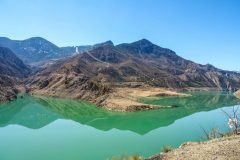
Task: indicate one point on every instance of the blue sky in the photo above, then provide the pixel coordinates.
(205, 31)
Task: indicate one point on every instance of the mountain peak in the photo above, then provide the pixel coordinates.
(107, 43)
(4, 38)
(143, 42)
(36, 39)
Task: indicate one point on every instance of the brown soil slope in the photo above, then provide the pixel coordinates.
(226, 148)
(237, 94)
(12, 70)
(96, 75)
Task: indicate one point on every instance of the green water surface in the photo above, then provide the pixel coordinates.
(58, 129)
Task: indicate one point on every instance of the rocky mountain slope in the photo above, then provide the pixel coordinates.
(38, 49)
(103, 71)
(11, 65)
(12, 70)
(98, 74)
(144, 63)
(8, 90)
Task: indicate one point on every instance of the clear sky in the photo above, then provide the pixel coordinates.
(205, 31)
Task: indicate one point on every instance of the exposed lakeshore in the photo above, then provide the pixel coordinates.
(121, 99)
(237, 94)
(225, 148)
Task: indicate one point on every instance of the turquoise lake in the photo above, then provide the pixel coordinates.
(44, 128)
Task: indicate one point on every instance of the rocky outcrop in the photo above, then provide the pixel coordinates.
(8, 90)
(68, 86)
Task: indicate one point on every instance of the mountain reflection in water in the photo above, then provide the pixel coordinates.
(37, 112)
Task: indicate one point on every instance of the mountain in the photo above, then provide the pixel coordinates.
(107, 43)
(11, 65)
(12, 69)
(170, 70)
(32, 49)
(94, 75)
(147, 63)
(38, 49)
(71, 49)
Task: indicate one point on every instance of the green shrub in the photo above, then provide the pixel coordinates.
(134, 157)
(166, 149)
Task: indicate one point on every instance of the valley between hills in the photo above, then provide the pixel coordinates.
(111, 76)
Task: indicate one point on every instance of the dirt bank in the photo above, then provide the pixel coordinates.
(237, 94)
(126, 99)
(226, 148)
(122, 99)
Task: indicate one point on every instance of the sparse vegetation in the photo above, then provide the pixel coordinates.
(134, 157)
(98, 86)
(233, 119)
(233, 124)
(166, 149)
(216, 141)
(212, 134)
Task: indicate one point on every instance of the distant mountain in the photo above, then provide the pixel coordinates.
(93, 74)
(38, 49)
(71, 50)
(167, 69)
(107, 43)
(144, 48)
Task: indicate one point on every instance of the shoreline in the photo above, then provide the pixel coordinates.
(121, 99)
(219, 148)
(127, 99)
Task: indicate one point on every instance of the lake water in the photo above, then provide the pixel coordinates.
(58, 129)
